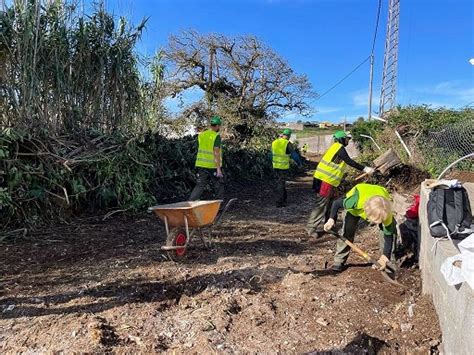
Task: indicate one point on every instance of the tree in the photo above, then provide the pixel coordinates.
(244, 80)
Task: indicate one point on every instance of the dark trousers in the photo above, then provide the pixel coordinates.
(280, 186)
(320, 214)
(409, 236)
(204, 175)
(350, 227)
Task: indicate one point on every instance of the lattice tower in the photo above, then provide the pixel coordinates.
(390, 63)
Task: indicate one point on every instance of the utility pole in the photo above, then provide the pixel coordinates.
(390, 63)
(371, 83)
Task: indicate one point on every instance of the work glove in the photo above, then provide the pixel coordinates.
(368, 170)
(328, 225)
(381, 263)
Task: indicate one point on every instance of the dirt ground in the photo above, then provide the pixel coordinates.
(105, 286)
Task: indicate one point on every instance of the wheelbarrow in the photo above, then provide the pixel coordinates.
(185, 219)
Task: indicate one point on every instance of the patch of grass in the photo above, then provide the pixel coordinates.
(312, 132)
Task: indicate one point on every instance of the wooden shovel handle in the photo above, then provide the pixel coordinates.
(365, 174)
(361, 176)
(359, 251)
(354, 247)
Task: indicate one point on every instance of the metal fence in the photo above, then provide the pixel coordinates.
(441, 147)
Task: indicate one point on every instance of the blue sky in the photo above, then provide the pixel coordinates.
(326, 39)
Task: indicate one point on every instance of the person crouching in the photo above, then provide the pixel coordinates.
(373, 204)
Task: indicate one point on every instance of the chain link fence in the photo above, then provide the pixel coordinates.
(441, 147)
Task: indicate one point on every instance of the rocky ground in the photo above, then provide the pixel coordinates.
(264, 286)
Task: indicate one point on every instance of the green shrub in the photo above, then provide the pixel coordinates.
(436, 137)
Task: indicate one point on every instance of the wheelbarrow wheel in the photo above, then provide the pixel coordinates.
(177, 237)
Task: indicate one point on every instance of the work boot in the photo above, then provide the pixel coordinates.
(316, 235)
(337, 267)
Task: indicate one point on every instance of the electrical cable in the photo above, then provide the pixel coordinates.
(363, 62)
(340, 81)
(376, 27)
(359, 65)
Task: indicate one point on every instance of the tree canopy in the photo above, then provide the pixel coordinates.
(243, 79)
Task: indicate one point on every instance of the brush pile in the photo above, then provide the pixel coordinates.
(55, 177)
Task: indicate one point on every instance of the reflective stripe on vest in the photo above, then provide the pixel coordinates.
(205, 155)
(280, 159)
(367, 191)
(328, 171)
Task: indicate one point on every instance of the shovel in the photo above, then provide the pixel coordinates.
(384, 163)
(389, 272)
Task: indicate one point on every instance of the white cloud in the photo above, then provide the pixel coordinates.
(325, 109)
(360, 99)
(453, 94)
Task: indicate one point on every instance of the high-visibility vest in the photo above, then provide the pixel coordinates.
(367, 191)
(205, 155)
(328, 171)
(280, 159)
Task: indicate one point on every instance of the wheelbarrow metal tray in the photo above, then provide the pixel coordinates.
(198, 213)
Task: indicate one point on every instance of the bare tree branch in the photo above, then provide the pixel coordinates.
(249, 80)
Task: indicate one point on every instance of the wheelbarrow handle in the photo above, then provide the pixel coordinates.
(226, 207)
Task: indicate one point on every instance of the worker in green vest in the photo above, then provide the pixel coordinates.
(328, 175)
(282, 152)
(305, 148)
(209, 160)
(373, 204)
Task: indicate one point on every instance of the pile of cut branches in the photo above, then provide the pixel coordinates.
(49, 179)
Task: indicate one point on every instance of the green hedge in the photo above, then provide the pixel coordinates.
(436, 137)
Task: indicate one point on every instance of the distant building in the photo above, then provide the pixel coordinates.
(345, 124)
(291, 125)
(311, 124)
(325, 124)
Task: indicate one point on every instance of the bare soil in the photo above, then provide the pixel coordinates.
(105, 286)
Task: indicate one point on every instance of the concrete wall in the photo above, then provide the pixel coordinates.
(319, 144)
(454, 304)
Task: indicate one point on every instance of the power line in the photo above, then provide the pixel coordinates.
(342, 80)
(359, 65)
(371, 72)
(376, 26)
(362, 63)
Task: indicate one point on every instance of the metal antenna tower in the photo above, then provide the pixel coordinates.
(390, 62)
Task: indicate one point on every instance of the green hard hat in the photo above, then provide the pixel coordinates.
(340, 135)
(216, 121)
(286, 132)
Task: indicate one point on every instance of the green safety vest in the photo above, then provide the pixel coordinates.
(367, 191)
(280, 159)
(328, 171)
(205, 155)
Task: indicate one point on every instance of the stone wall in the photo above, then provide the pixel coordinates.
(454, 304)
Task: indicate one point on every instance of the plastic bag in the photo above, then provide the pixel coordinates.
(467, 251)
(465, 273)
(452, 274)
